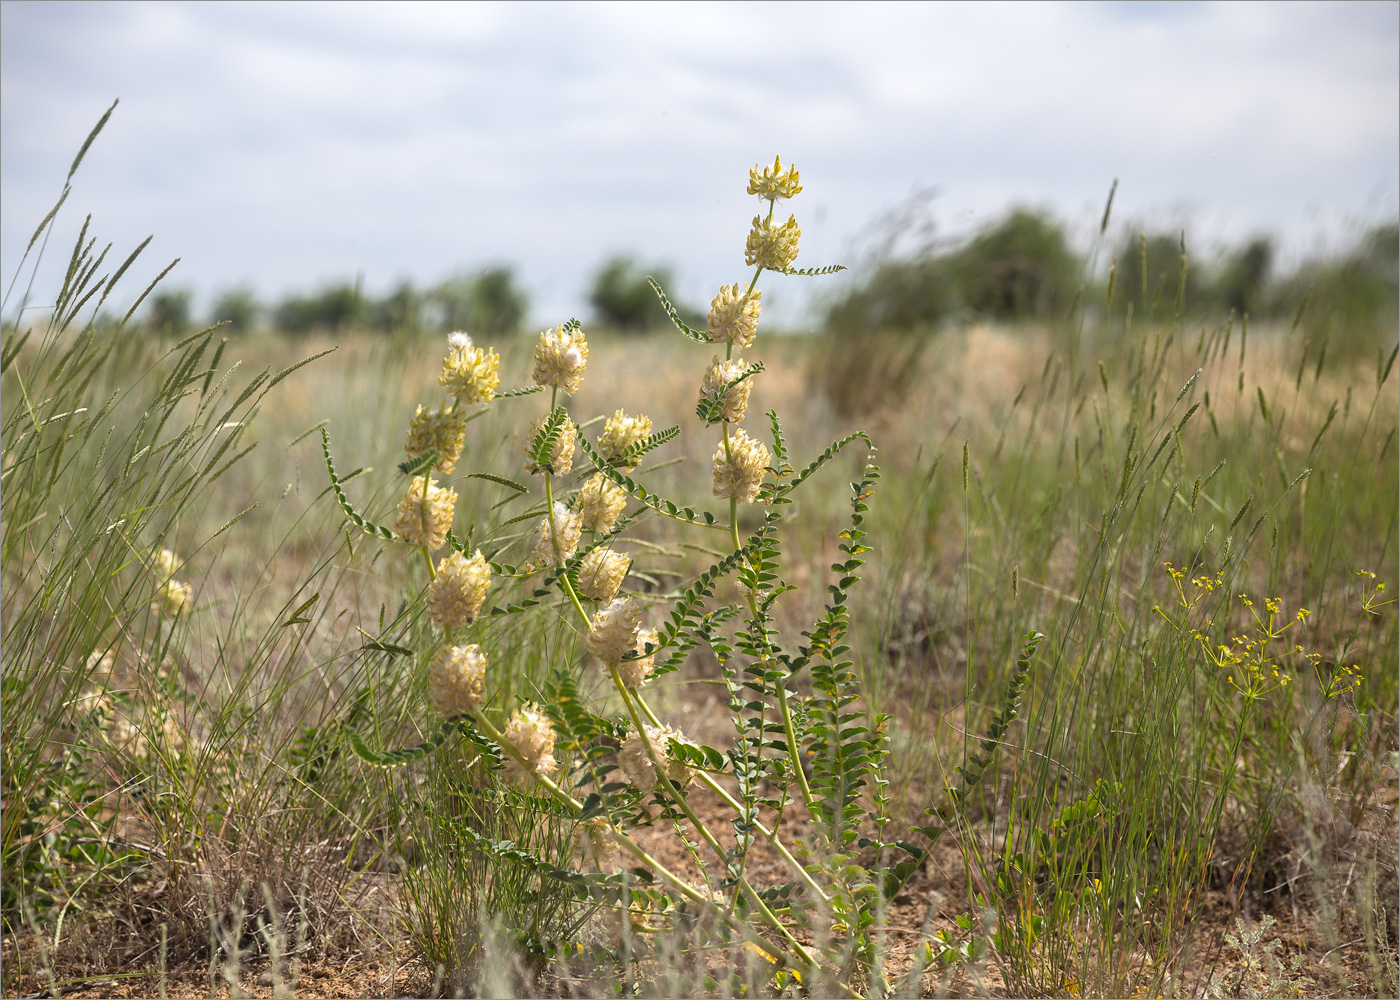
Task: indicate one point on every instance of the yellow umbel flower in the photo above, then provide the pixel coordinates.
(173, 599)
(442, 427)
(530, 733)
(561, 456)
(600, 503)
(568, 526)
(637, 765)
(601, 573)
(774, 182)
(634, 673)
(560, 357)
(470, 374)
(733, 316)
(612, 632)
(739, 472)
(736, 400)
(425, 520)
(459, 589)
(772, 246)
(620, 433)
(457, 680)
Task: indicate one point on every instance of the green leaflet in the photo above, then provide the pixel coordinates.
(711, 404)
(694, 335)
(639, 492)
(369, 527)
(809, 272)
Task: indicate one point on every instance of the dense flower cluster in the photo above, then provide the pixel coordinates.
(601, 573)
(634, 673)
(469, 373)
(560, 358)
(459, 589)
(442, 427)
(620, 433)
(600, 503)
(738, 469)
(636, 762)
(564, 536)
(612, 633)
(770, 245)
(774, 182)
(172, 598)
(561, 456)
(734, 315)
(736, 399)
(425, 513)
(530, 733)
(457, 680)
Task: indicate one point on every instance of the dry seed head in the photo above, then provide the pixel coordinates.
(600, 503)
(442, 427)
(560, 358)
(530, 733)
(736, 400)
(612, 633)
(636, 762)
(459, 589)
(561, 456)
(770, 245)
(622, 432)
(457, 680)
(569, 526)
(634, 673)
(425, 523)
(173, 598)
(601, 573)
(734, 316)
(739, 473)
(774, 182)
(469, 373)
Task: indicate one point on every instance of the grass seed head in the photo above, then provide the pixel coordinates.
(425, 520)
(771, 245)
(442, 427)
(560, 358)
(601, 573)
(738, 472)
(459, 589)
(736, 400)
(457, 680)
(734, 316)
(600, 503)
(470, 374)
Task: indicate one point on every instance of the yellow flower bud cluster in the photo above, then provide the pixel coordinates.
(459, 589)
(560, 358)
(563, 536)
(443, 427)
(601, 573)
(774, 182)
(736, 399)
(425, 513)
(173, 597)
(457, 680)
(772, 246)
(561, 456)
(620, 433)
(637, 765)
(733, 316)
(600, 503)
(738, 470)
(530, 733)
(469, 373)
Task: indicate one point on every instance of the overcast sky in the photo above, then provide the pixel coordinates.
(283, 146)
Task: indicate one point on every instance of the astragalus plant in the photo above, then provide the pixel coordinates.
(804, 775)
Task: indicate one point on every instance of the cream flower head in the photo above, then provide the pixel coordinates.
(569, 526)
(442, 427)
(459, 589)
(736, 400)
(739, 473)
(612, 632)
(620, 433)
(457, 680)
(772, 246)
(426, 523)
(530, 733)
(173, 599)
(733, 316)
(637, 765)
(773, 182)
(560, 358)
(600, 503)
(561, 456)
(599, 842)
(469, 373)
(601, 573)
(166, 564)
(634, 673)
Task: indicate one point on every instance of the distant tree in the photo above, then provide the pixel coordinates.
(400, 310)
(1353, 299)
(489, 303)
(1243, 278)
(899, 295)
(239, 307)
(332, 308)
(1153, 290)
(621, 297)
(169, 311)
(1019, 268)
